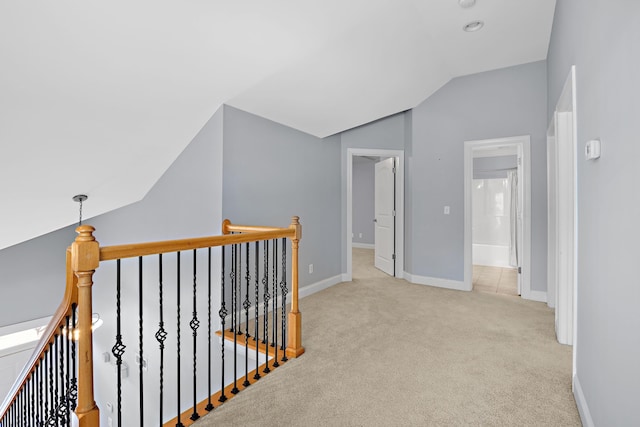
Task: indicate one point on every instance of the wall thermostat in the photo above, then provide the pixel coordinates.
(592, 149)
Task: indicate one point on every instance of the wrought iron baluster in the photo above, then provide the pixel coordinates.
(54, 359)
(223, 316)
(62, 406)
(234, 296)
(178, 423)
(256, 328)
(267, 297)
(67, 377)
(209, 406)
(74, 380)
(274, 341)
(194, 324)
(118, 347)
(52, 402)
(140, 343)
(161, 335)
(32, 419)
(283, 290)
(39, 420)
(246, 305)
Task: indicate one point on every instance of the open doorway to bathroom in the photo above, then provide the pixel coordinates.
(495, 203)
(497, 216)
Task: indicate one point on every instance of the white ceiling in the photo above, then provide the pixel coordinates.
(100, 97)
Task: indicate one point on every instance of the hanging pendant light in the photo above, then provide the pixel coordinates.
(80, 198)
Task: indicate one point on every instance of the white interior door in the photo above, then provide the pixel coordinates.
(384, 198)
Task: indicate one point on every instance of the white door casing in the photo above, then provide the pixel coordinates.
(563, 222)
(384, 216)
(523, 145)
(399, 193)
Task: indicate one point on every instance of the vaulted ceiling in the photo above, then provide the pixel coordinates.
(100, 97)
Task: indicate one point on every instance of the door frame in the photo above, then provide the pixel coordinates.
(399, 202)
(564, 158)
(523, 145)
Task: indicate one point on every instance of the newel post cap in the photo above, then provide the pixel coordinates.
(85, 250)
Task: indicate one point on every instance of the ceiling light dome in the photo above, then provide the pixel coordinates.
(466, 3)
(473, 26)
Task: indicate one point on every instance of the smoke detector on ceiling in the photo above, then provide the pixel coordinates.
(466, 3)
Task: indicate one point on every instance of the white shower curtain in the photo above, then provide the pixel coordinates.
(512, 180)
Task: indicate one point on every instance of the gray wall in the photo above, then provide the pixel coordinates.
(601, 38)
(502, 103)
(272, 172)
(37, 267)
(363, 200)
(388, 133)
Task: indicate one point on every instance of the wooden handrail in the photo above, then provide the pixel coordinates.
(83, 258)
(53, 328)
(153, 248)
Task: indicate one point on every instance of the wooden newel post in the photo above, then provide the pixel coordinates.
(294, 332)
(85, 258)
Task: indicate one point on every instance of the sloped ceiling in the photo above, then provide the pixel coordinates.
(99, 97)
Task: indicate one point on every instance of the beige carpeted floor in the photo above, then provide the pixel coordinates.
(383, 352)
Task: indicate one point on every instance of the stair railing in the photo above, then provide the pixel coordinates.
(59, 377)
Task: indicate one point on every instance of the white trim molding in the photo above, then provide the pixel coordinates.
(539, 296)
(523, 144)
(436, 282)
(581, 403)
(399, 229)
(305, 291)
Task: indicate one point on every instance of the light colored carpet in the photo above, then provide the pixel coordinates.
(383, 352)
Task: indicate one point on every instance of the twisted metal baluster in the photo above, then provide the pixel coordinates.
(140, 342)
(67, 378)
(274, 341)
(234, 314)
(62, 406)
(209, 406)
(246, 305)
(118, 347)
(256, 328)
(41, 400)
(194, 324)
(266, 296)
(223, 315)
(54, 360)
(283, 287)
(52, 377)
(74, 380)
(161, 334)
(31, 393)
(178, 423)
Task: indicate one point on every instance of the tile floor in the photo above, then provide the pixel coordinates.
(495, 280)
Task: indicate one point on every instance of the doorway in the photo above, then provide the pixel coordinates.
(391, 233)
(496, 200)
(521, 220)
(562, 220)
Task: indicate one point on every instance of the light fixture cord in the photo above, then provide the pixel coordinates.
(80, 219)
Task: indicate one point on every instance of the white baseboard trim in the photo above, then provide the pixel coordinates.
(539, 296)
(363, 245)
(434, 281)
(319, 286)
(345, 278)
(583, 408)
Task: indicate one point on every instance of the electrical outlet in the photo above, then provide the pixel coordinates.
(447, 210)
(310, 268)
(360, 235)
